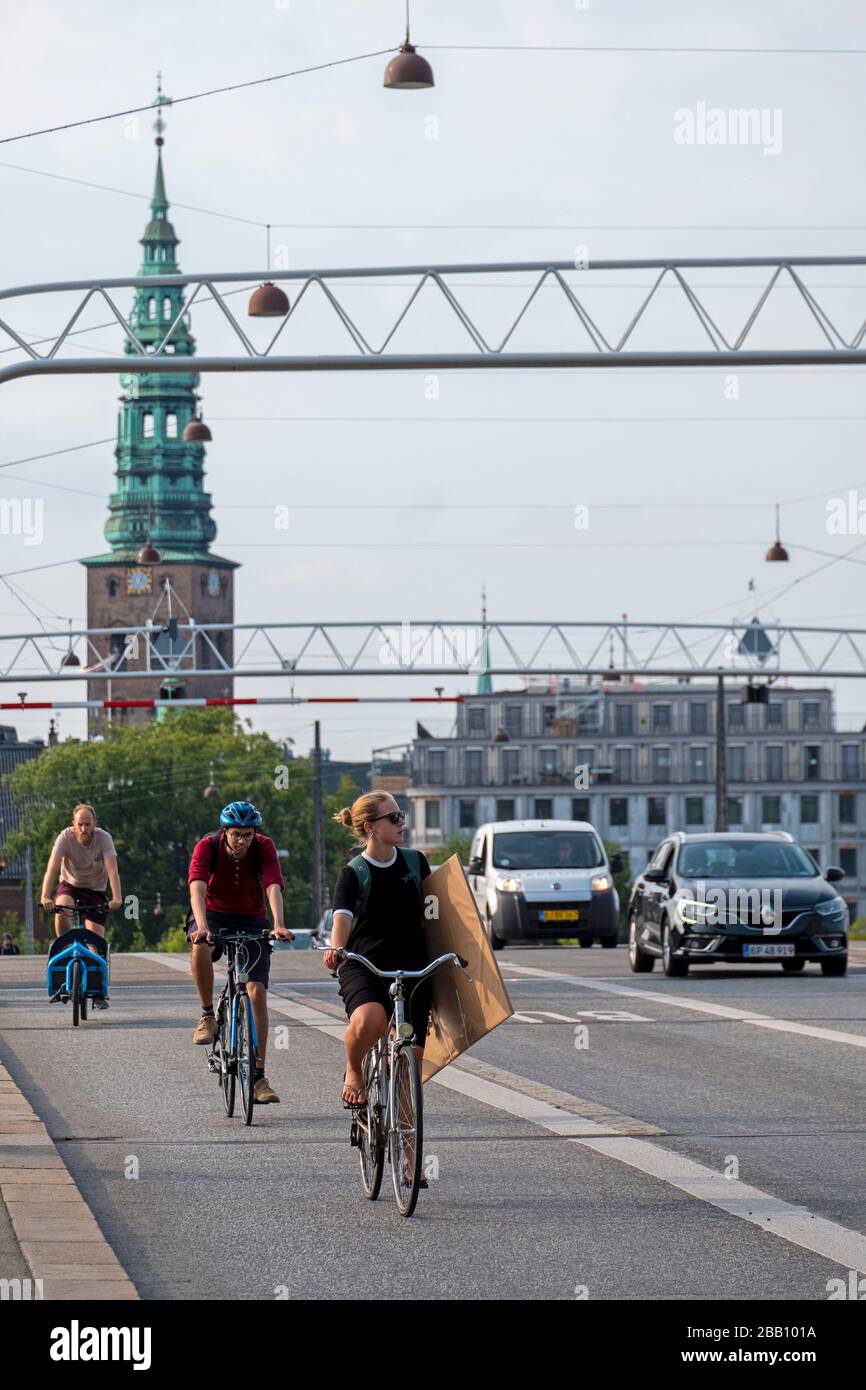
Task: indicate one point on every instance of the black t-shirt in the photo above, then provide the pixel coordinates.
(391, 932)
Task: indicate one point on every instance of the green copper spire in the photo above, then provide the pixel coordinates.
(160, 478)
(484, 684)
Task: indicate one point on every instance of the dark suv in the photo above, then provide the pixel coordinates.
(727, 897)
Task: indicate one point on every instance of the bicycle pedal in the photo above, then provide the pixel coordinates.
(353, 1135)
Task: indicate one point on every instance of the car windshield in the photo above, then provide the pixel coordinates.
(547, 849)
(745, 859)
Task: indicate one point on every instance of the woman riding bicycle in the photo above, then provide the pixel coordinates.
(389, 931)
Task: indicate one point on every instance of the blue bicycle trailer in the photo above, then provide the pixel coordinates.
(76, 972)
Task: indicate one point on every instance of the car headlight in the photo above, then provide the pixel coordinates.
(509, 885)
(697, 914)
(601, 884)
(833, 907)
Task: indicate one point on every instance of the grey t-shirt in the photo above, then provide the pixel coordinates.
(84, 865)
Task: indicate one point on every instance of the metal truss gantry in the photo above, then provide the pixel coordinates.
(657, 651)
(571, 281)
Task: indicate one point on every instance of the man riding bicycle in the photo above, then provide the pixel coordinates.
(230, 875)
(85, 860)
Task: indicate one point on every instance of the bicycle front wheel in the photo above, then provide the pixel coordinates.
(75, 992)
(406, 1137)
(246, 1056)
(371, 1140)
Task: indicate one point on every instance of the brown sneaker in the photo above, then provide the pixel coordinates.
(263, 1093)
(205, 1030)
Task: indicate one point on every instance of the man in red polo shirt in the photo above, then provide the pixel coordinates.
(231, 894)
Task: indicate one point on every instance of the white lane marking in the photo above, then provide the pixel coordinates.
(755, 1020)
(797, 1225)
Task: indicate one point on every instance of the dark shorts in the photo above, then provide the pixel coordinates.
(259, 967)
(93, 899)
(358, 986)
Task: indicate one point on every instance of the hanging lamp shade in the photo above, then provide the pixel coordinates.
(197, 432)
(70, 659)
(148, 555)
(777, 551)
(408, 71)
(268, 302)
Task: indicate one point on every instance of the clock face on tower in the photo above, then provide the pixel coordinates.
(213, 583)
(139, 581)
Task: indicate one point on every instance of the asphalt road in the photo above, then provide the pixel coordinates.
(669, 1151)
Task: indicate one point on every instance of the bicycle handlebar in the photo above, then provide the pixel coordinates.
(451, 957)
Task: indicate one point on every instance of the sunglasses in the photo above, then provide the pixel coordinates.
(395, 817)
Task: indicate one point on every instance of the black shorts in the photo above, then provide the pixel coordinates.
(92, 899)
(359, 986)
(259, 967)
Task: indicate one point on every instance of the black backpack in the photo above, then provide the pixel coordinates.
(214, 838)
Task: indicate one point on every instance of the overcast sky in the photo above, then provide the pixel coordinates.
(513, 156)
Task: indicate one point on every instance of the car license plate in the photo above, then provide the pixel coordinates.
(560, 915)
(766, 950)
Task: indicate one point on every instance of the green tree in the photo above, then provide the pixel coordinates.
(147, 786)
(621, 882)
(456, 844)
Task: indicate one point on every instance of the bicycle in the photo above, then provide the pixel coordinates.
(235, 1047)
(73, 971)
(393, 1107)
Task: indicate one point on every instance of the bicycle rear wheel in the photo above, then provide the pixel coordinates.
(406, 1137)
(371, 1140)
(245, 1055)
(75, 992)
(223, 1051)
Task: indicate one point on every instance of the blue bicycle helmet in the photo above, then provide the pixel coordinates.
(242, 814)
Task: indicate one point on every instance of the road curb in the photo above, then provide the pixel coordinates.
(56, 1232)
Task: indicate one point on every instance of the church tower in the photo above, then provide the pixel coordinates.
(159, 566)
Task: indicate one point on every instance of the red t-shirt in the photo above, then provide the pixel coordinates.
(233, 887)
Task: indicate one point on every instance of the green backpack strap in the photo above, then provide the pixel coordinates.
(362, 869)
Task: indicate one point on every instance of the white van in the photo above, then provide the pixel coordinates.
(537, 880)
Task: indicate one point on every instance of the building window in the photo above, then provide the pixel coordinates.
(505, 810)
(580, 808)
(623, 719)
(808, 810)
(699, 767)
(735, 810)
(698, 718)
(436, 766)
(474, 766)
(622, 765)
(850, 762)
(112, 584)
(848, 860)
(812, 762)
(737, 764)
(771, 810)
(514, 720)
(656, 811)
(848, 808)
(432, 815)
(466, 816)
(166, 309)
(736, 716)
(661, 764)
(811, 716)
(151, 309)
(773, 762)
(662, 722)
(477, 720)
(619, 810)
(816, 855)
(171, 426)
(694, 810)
(510, 766)
(547, 769)
(543, 808)
(147, 425)
(774, 714)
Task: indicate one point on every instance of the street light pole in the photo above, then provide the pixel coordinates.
(721, 758)
(318, 903)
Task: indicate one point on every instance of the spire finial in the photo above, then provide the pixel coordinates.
(161, 101)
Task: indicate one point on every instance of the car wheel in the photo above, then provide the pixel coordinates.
(672, 967)
(496, 942)
(609, 942)
(837, 966)
(793, 967)
(640, 961)
(585, 942)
